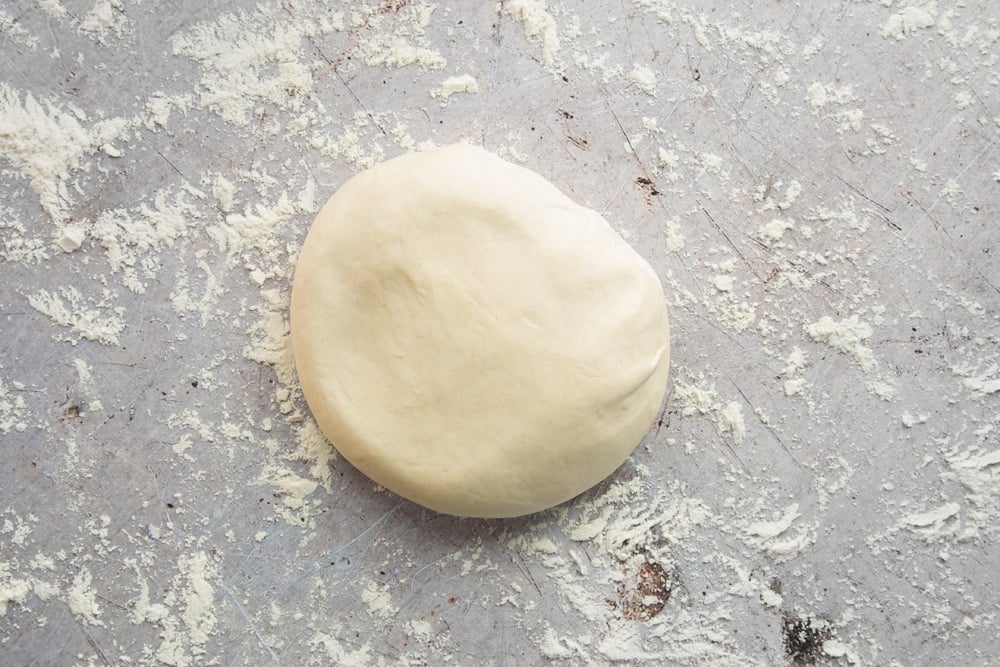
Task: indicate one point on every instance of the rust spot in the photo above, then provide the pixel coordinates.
(646, 594)
(392, 5)
(71, 414)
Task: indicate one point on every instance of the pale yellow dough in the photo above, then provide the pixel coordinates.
(473, 340)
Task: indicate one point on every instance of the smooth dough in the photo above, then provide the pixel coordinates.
(473, 340)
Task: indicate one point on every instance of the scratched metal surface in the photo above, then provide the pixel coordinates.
(889, 594)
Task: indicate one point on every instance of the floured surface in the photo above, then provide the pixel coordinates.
(823, 488)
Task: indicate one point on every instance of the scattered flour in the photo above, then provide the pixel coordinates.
(47, 141)
(67, 307)
(794, 363)
(846, 336)
(644, 78)
(698, 397)
(771, 232)
(935, 524)
(160, 106)
(731, 418)
(105, 17)
(794, 386)
(838, 649)
(12, 589)
(397, 38)
(247, 59)
(539, 25)
(884, 390)
(338, 653)
(963, 99)
(777, 538)
(187, 616)
(14, 412)
(909, 20)
(819, 95)
(977, 469)
(128, 235)
(52, 8)
(82, 598)
(88, 387)
(674, 235)
(12, 30)
(379, 600)
(986, 381)
(465, 83)
(198, 597)
(723, 283)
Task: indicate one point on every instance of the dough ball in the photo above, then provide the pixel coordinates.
(473, 340)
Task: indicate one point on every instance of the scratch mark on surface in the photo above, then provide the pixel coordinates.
(361, 104)
(628, 140)
(944, 231)
(375, 524)
(763, 423)
(93, 643)
(642, 165)
(618, 192)
(883, 210)
(334, 64)
(293, 642)
(730, 242)
(748, 93)
(172, 165)
(315, 566)
(248, 621)
(663, 418)
(525, 570)
(990, 144)
(732, 452)
(494, 64)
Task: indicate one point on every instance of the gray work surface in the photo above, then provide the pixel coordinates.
(815, 176)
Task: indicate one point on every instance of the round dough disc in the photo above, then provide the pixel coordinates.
(473, 340)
